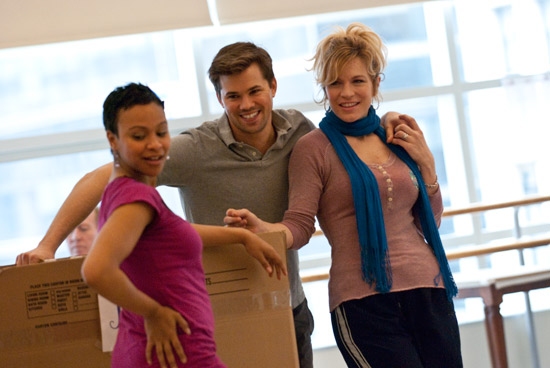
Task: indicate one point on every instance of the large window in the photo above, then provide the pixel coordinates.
(475, 75)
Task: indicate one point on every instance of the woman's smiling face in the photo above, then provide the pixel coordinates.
(351, 95)
(142, 142)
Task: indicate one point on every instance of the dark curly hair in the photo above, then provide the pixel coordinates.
(123, 98)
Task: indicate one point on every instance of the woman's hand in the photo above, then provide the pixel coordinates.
(389, 121)
(162, 337)
(265, 254)
(409, 136)
(245, 218)
(262, 251)
(248, 220)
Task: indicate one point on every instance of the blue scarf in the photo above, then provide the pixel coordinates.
(375, 263)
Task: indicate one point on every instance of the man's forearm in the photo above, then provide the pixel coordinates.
(82, 200)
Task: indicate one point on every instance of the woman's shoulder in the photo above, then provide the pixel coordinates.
(314, 141)
(312, 147)
(125, 189)
(315, 137)
(125, 182)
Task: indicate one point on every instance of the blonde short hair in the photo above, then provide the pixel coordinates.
(337, 49)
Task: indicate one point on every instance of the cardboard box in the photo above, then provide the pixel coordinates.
(50, 318)
(253, 313)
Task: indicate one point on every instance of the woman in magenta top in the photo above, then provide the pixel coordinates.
(166, 265)
(145, 258)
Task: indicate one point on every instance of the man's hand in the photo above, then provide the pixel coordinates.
(37, 255)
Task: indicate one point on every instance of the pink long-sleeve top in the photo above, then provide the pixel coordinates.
(320, 186)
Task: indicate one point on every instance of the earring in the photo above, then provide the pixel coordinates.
(167, 157)
(115, 157)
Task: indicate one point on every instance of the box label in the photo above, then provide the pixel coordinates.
(52, 299)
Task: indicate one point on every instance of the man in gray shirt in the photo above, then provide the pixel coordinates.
(241, 159)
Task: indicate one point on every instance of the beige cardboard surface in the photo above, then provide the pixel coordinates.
(253, 314)
(49, 317)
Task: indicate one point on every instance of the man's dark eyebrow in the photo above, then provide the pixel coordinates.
(257, 86)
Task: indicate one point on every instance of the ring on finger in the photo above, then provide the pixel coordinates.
(404, 137)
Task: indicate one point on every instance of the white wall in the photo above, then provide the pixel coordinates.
(31, 22)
